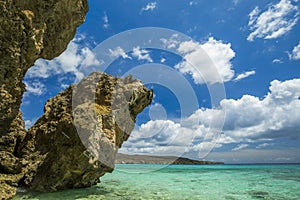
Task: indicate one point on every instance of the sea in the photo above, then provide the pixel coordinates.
(207, 182)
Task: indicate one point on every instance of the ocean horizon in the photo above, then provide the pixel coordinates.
(207, 182)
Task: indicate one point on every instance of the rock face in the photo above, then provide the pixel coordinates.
(76, 140)
(29, 30)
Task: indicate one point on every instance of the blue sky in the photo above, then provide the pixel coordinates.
(249, 48)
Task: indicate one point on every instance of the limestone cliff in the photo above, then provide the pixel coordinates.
(76, 140)
(29, 30)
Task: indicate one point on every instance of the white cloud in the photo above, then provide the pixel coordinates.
(149, 7)
(70, 59)
(244, 75)
(295, 55)
(30, 123)
(162, 60)
(264, 145)
(157, 111)
(141, 54)
(74, 57)
(248, 120)
(240, 147)
(208, 62)
(171, 42)
(36, 88)
(253, 16)
(64, 86)
(274, 116)
(105, 21)
(276, 21)
(118, 52)
(276, 60)
(41, 69)
(88, 58)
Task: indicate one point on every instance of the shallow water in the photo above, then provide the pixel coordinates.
(208, 182)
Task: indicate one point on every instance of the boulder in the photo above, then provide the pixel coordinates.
(76, 140)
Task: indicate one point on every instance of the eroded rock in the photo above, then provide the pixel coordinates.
(76, 140)
(29, 30)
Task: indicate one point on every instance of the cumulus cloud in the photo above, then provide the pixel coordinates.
(141, 54)
(118, 52)
(244, 75)
(248, 120)
(159, 136)
(295, 55)
(35, 88)
(149, 7)
(88, 58)
(171, 42)
(209, 62)
(71, 60)
(274, 116)
(276, 21)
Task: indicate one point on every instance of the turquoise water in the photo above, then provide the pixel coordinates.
(205, 182)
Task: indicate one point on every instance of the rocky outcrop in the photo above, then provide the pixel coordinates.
(76, 140)
(163, 160)
(29, 30)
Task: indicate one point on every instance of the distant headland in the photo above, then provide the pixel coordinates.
(145, 159)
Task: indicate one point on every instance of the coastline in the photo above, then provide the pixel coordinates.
(164, 160)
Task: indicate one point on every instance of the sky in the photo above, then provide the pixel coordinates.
(225, 75)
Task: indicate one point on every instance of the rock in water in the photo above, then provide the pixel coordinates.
(76, 140)
(30, 29)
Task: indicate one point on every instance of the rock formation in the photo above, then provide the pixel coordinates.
(42, 29)
(75, 141)
(30, 30)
